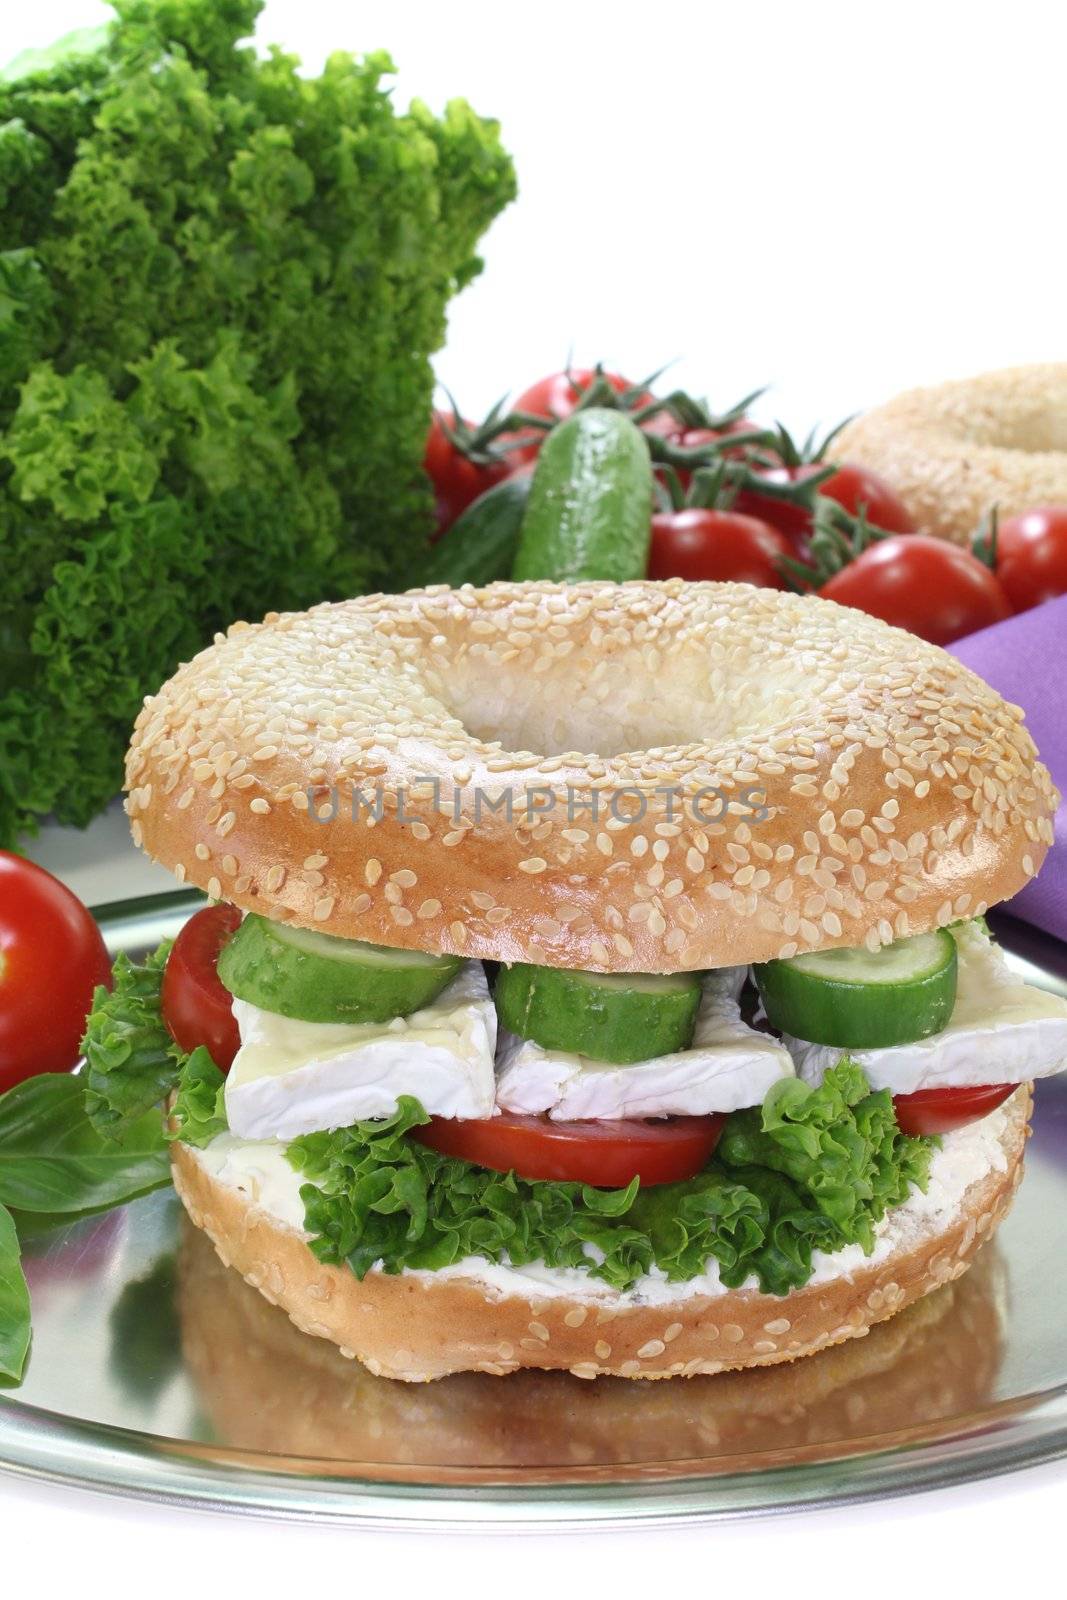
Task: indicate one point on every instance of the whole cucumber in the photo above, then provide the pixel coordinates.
(590, 510)
(480, 545)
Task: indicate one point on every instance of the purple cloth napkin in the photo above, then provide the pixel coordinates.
(1025, 660)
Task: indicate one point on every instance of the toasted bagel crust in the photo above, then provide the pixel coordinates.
(875, 787)
(954, 451)
(414, 1328)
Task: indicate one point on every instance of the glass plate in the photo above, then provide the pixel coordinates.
(156, 1372)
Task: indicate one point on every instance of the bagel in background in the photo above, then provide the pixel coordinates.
(954, 451)
(267, 1387)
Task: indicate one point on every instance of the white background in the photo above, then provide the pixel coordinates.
(841, 200)
(838, 199)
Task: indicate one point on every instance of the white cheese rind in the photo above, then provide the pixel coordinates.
(729, 1065)
(292, 1077)
(1001, 1031)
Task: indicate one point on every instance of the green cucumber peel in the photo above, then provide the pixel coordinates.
(615, 1017)
(314, 977)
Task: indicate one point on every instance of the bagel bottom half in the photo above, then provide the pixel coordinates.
(418, 1326)
(267, 1387)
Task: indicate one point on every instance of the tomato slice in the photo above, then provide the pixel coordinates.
(197, 1008)
(930, 1111)
(605, 1154)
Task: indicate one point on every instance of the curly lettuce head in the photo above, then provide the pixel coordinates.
(220, 284)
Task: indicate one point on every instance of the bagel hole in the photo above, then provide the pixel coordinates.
(1035, 429)
(626, 709)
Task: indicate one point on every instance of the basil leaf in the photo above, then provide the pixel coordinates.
(131, 1061)
(14, 1305)
(53, 1159)
(200, 1105)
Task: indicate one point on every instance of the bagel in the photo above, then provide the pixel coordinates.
(422, 1325)
(267, 1387)
(954, 451)
(771, 774)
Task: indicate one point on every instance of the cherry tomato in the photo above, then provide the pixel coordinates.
(52, 956)
(855, 487)
(557, 396)
(851, 486)
(693, 438)
(928, 586)
(931, 1111)
(697, 438)
(792, 520)
(723, 546)
(197, 1009)
(605, 1154)
(1032, 556)
(456, 479)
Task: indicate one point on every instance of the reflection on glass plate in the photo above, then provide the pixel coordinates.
(157, 1371)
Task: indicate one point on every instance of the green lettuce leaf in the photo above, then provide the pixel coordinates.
(14, 1305)
(838, 1144)
(53, 1159)
(813, 1169)
(131, 1061)
(199, 1111)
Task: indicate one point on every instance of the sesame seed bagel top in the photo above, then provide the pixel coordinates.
(955, 450)
(640, 777)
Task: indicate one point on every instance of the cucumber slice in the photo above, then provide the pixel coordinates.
(619, 1017)
(318, 978)
(863, 999)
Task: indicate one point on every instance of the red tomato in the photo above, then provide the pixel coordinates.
(693, 438)
(723, 546)
(196, 1007)
(52, 956)
(851, 486)
(790, 519)
(928, 586)
(605, 1154)
(1032, 556)
(557, 396)
(855, 488)
(456, 479)
(698, 438)
(931, 1111)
